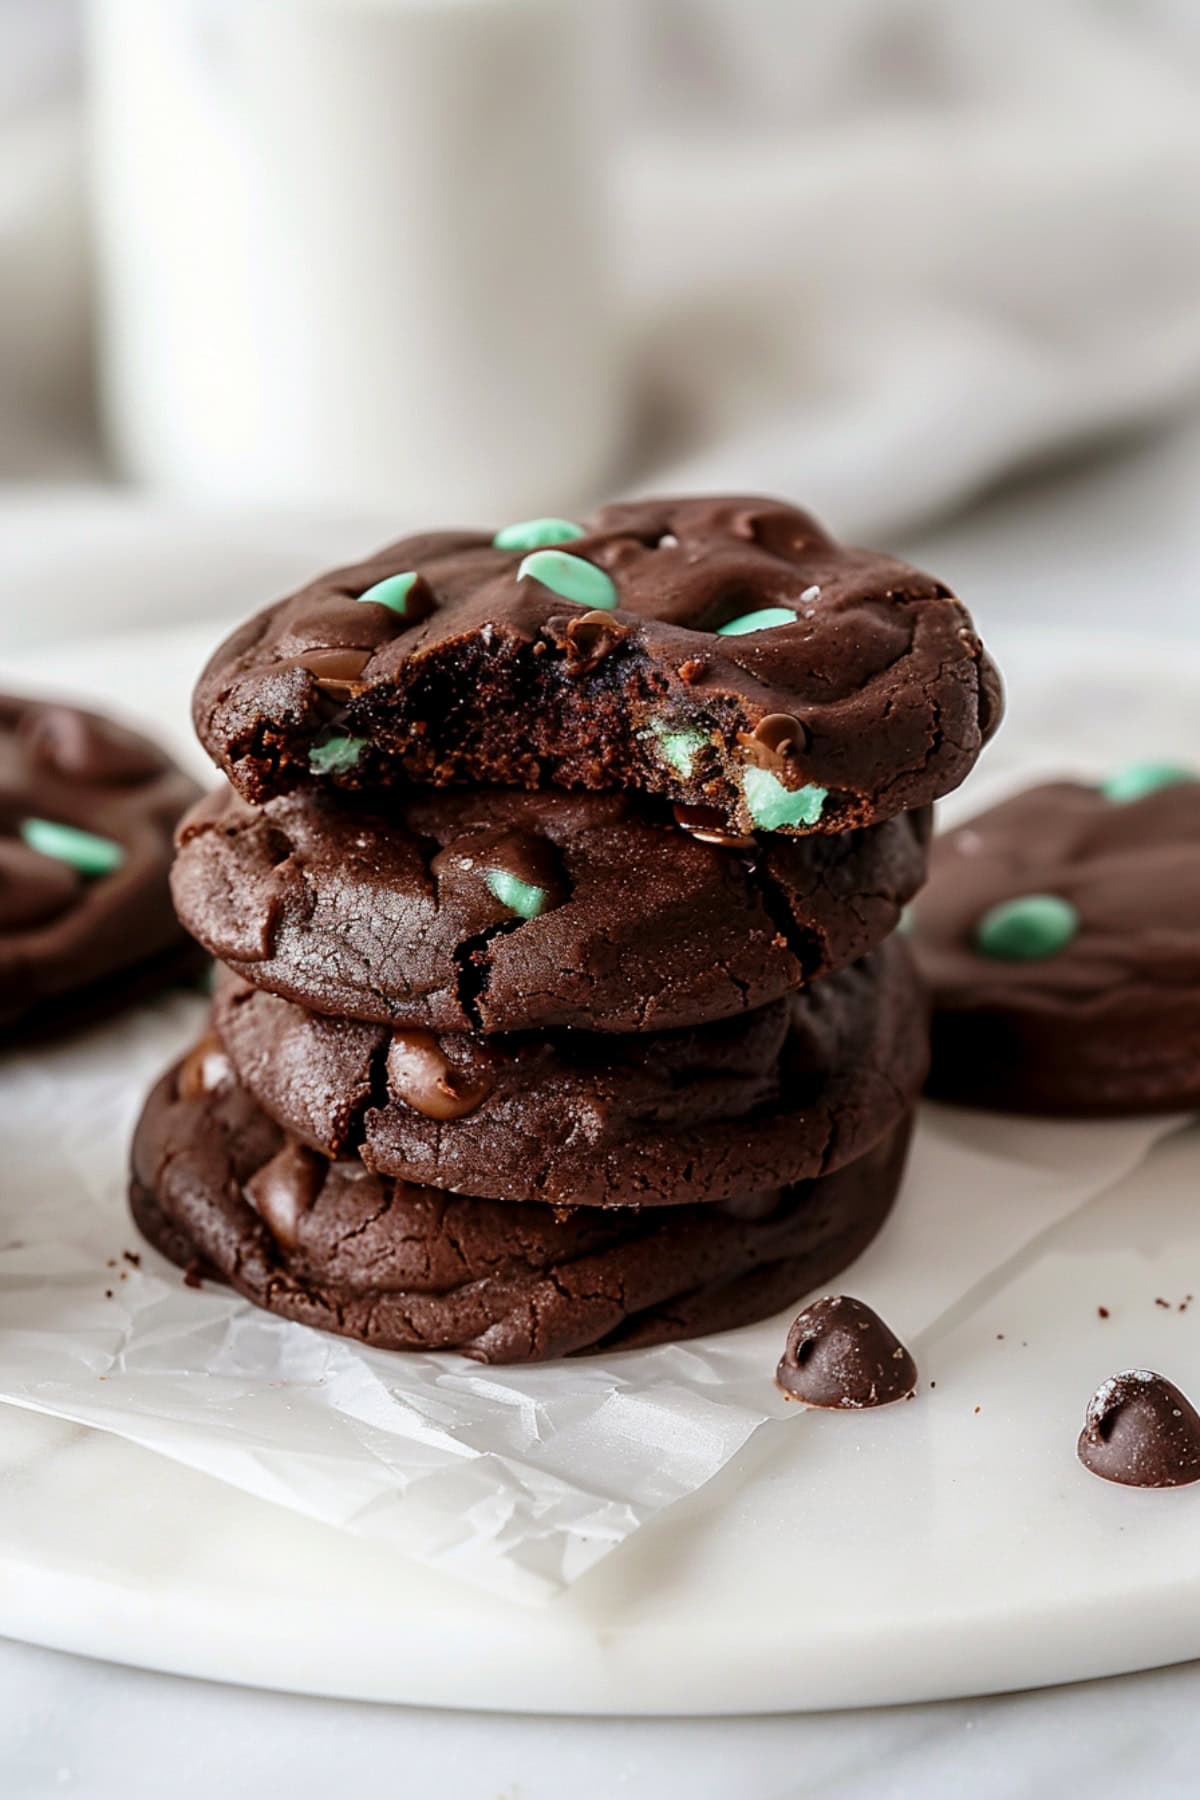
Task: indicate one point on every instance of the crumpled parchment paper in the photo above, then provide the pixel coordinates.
(518, 1480)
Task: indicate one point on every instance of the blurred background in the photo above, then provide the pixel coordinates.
(282, 278)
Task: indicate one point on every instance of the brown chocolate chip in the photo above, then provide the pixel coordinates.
(420, 1073)
(587, 638)
(88, 749)
(1142, 1432)
(774, 740)
(336, 672)
(284, 1189)
(204, 1069)
(708, 825)
(840, 1354)
(33, 888)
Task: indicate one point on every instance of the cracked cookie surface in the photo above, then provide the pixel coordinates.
(505, 911)
(718, 652)
(221, 1190)
(791, 1091)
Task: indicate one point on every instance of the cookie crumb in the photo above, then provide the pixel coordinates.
(1159, 1301)
(132, 1258)
(1103, 1312)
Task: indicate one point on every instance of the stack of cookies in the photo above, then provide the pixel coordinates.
(553, 891)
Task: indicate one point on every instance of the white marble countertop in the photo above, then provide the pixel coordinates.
(70, 1727)
(1115, 545)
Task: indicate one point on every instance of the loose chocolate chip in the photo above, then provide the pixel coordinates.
(33, 888)
(284, 1189)
(87, 748)
(204, 1069)
(707, 824)
(840, 1354)
(420, 1074)
(1027, 929)
(1142, 1432)
(336, 672)
(519, 868)
(589, 638)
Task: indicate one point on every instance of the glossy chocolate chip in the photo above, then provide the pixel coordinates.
(420, 1074)
(1141, 1431)
(774, 739)
(336, 672)
(204, 1069)
(841, 1355)
(708, 825)
(588, 639)
(33, 888)
(284, 1189)
(87, 748)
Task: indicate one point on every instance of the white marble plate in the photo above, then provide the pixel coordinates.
(948, 1547)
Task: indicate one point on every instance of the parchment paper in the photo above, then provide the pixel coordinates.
(518, 1480)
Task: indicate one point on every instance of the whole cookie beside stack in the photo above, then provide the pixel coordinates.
(87, 813)
(1060, 940)
(561, 1009)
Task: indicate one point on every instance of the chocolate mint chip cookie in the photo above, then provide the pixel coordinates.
(776, 1096)
(87, 812)
(1060, 936)
(221, 1190)
(496, 910)
(720, 653)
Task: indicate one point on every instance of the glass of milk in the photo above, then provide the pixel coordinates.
(352, 253)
